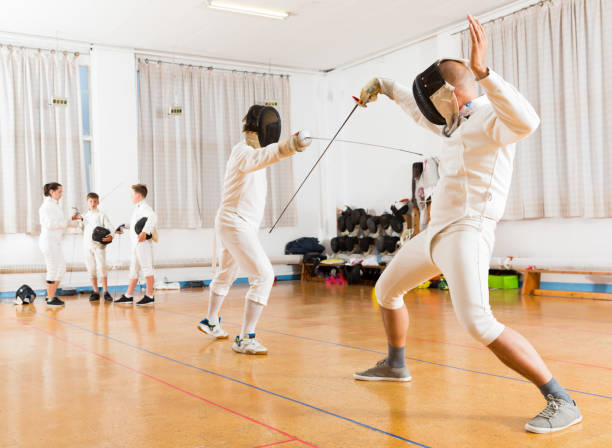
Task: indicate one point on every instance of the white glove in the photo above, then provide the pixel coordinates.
(369, 92)
(296, 143)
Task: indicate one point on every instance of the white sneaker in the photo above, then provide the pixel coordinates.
(214, 330)
(249, 346)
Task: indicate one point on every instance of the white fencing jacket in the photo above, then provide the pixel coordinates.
(476, 160)
(53, 223)
(91, 220)
(142, 210)
(245, 186)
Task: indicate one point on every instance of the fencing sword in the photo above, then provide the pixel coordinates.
(371, 145)
(315, 165)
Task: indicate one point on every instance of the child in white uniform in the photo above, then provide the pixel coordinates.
(94, 251)
(53, 223)
(238, 221)
(143, 231)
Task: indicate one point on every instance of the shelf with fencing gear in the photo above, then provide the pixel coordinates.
(365, 242)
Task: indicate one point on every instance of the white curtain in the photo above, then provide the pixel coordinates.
(182, 158)
(559, 55)
(39, 142)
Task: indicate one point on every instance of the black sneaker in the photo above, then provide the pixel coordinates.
(146, 300)
(124, 299)
(94, 297)
(108, 297)
(55, 302)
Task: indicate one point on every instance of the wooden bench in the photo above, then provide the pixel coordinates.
(531, 285)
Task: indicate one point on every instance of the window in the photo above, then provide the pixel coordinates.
(84, 78)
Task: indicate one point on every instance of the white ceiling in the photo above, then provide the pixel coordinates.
(320, 34)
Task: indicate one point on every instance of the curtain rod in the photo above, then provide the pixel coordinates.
(493, 19)
(209, 67)
(39, 49)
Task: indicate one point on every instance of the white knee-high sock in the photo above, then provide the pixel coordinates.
(214, 306)
(252, 313)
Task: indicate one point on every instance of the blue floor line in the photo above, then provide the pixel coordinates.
(293, 400)
(521, 380)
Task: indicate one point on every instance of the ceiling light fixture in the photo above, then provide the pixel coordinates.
(222, 5)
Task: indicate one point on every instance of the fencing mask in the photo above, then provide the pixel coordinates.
(266, 121)
(24, 295)
(99, 233)
(140, 225)
(436, 97)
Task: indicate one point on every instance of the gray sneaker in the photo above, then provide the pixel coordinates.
(557, 415)
(382, 371)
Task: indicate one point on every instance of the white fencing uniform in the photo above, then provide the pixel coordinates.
(94, 252)
(239, 218)
(142, 252)
(53, 223)
(475, 174)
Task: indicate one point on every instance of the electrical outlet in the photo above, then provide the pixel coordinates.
(271, 103)
(175, 110)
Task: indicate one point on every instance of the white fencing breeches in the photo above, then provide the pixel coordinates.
(53, 252)
(142, 259)
(95, 261)
(462, 253)
(242, 250)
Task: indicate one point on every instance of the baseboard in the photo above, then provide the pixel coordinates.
(580, 287)
(122, 288)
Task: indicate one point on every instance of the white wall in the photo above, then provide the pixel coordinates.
(372, 177)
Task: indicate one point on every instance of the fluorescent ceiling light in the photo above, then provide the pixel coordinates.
(222, 5)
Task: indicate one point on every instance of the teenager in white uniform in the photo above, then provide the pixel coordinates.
(143, 231)
(238, 220)
(94, 251)
(479, 136)
(53, 223)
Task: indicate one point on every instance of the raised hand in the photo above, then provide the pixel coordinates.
(479, 48)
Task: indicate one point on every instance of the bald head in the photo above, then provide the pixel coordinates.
(461, 78)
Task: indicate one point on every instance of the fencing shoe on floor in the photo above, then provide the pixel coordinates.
(382, 371)
(212, 329)
(94, 297)
(124, 300)
(249, 346)
(108, 297)
(557, 415)
(55, 302)
(146, 300)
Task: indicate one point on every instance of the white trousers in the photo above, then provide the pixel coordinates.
(95, 260)
(142, 259)
(242, 250)
(53, 252)
(462, 253)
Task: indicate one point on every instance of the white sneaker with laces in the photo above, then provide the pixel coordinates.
(557, 415)
(249, 346)
(214, 330)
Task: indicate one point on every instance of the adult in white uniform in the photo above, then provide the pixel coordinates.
(475, 173)
(53, 223)
(238, 220)
(94, 251)
(143, 231)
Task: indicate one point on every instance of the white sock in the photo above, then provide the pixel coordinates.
(252, 313)
(214, 306)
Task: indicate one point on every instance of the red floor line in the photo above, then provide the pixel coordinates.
(472, 347)
(172, 386)
(275, 443)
